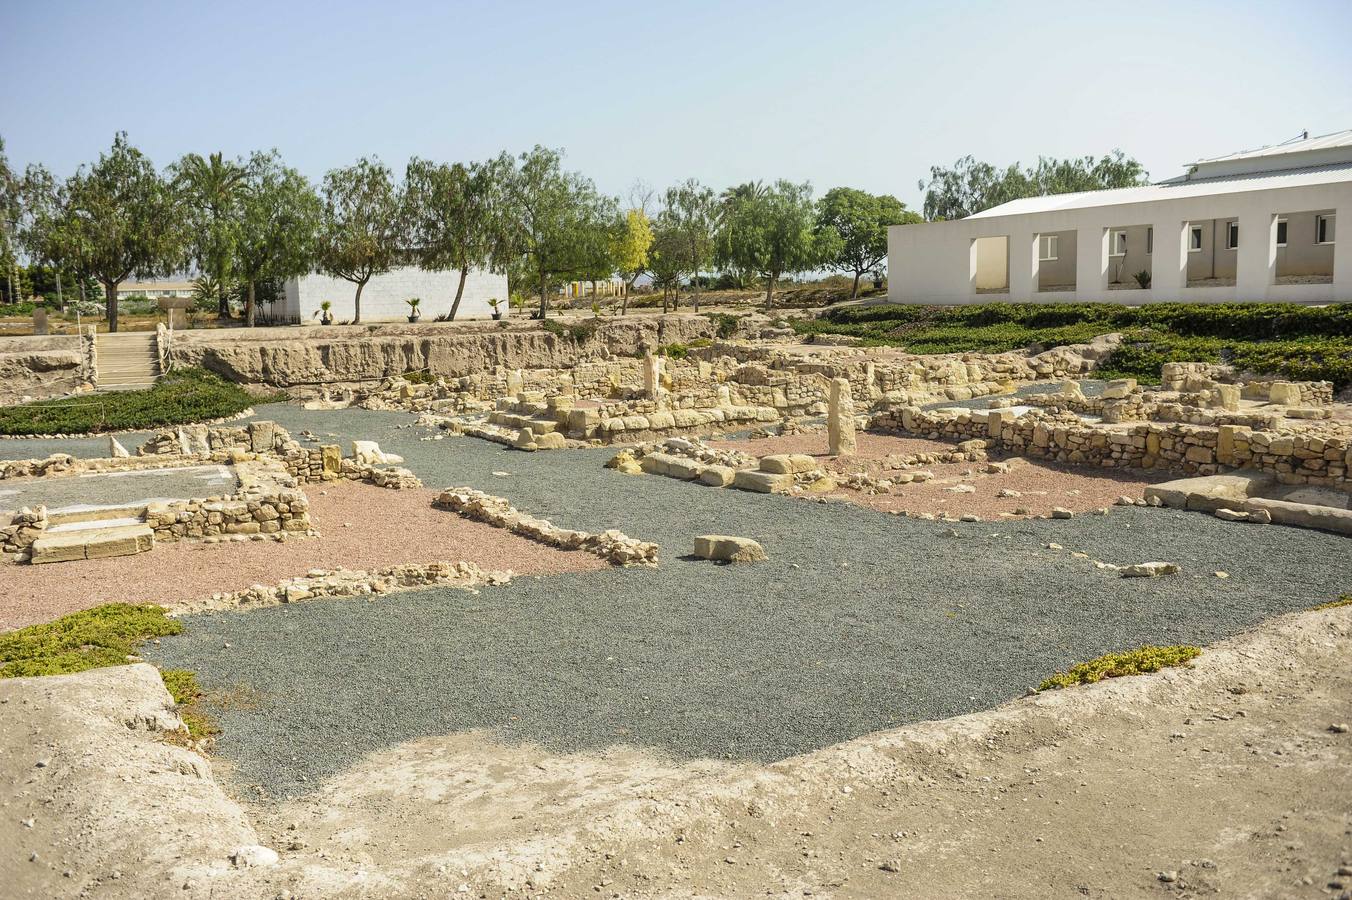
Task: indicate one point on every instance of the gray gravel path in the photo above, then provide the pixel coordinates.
(860, 621)
(80, 447)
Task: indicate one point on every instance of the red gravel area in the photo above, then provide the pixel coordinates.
(1041, 485)
(361, 527)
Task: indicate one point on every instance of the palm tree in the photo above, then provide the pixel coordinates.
(212, 188)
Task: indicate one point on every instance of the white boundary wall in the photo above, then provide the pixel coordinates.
(382, 300)
(935, 262)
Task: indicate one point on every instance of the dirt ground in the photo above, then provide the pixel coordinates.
(360, 526)
(1034, 485)
(1232, 778)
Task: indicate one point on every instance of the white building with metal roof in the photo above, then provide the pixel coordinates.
(1257, 225)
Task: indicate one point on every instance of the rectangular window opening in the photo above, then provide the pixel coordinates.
(1117, 245)
(1195, 239)
(1281, 232)
(1232, 236)
(1149, 241)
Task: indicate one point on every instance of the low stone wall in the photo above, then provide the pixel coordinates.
(267, 502)
(1194, 376)
(1314, 456)
(612, 545)
(328, 583)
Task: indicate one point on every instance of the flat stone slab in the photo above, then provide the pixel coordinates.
(729, 548)
(762, 482)
(93, 543)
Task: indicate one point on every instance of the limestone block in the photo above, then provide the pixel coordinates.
(366, 453)
(115, 448)
(729, 548)
(1231, 515)
(1119, 389)
(551, 441)
(262, 435)
(1149, 570)
(762, 482)
(717, 476)
(684, 468)
(840, 419)
(1284, 393)
(331, 456)
(787, 463)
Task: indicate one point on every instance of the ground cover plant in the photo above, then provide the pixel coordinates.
(1344, 600)
(183, 396)
(89, 639)
(1298, 342)
(1113, 665)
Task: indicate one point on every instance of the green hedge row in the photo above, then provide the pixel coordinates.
(189, 395)
(1297, 342)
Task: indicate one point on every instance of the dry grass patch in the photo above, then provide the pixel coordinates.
(1140, 661)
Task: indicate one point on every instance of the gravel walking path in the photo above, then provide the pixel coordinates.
(859, 621)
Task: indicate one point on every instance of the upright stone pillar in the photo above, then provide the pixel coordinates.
(515, 382)
(652, 375)
(40, 326)
(840, 419)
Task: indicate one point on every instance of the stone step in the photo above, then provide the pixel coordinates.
(93, 543)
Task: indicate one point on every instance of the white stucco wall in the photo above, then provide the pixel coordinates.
(382, 300)
(934, 262)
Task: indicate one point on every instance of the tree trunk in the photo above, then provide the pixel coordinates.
(624, 302)
(770, 292)
(249, 307)
(60, 298)
(544, 301)
(460, 291)
(855, 292)
(694, 283)
(110, 303)
(356, 304)
(223, 301)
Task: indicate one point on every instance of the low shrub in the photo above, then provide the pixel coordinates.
(187, 693)
(1297, 342)
(1113, 665)
(181, 397)
(725, 324)
(89, 639)
(580, 331)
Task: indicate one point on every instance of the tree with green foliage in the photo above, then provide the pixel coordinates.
(666, 258)
(860, 220)
(279, 218)
(11, 207)
(630, 240)
(211, 190)
(969, 187)
(454, 217)
(361, 234)
(694, 213)
(119, 218)
(773, 232)
(561, 223)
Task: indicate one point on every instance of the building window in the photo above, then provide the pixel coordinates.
(1195, 239)
(1149, 241)
(1323, 229)
(1117, 243)
(1231, 235)
(1281, 232)
(1046, 248)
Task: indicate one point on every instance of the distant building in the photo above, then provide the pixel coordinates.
(154, 290)
(1256, 225)
(382, 300)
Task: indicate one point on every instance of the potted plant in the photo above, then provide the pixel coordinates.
(325, 313)
(495, 303)
(877, 279)
(414, 314)
(1143, 279)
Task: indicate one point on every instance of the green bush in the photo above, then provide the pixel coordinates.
(89, 639)
(580, 331)
(1114, 665)
(184, 396)
(1298, 342)
(724, 323)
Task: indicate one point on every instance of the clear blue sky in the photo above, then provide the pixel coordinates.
(865, 94)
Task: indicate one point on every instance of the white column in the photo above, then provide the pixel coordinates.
(1342, 253)
(971, 266)
(1169, 260)
(1022, 265)
(1256, 260)
(1091, 263)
